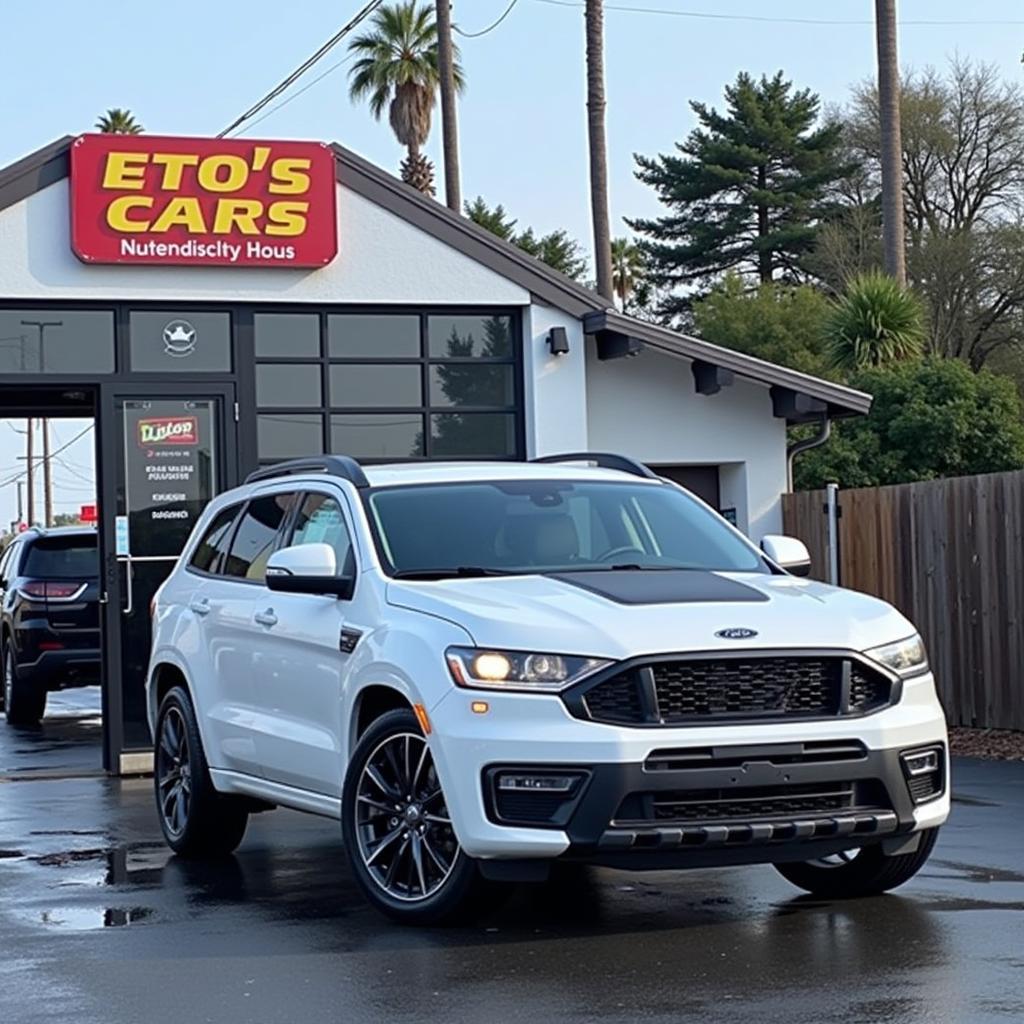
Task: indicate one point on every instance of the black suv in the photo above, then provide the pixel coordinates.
(49, 618)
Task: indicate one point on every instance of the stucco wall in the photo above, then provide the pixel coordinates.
(647, 407)
(381, 258)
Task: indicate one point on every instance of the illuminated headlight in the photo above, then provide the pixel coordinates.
(518, 670)
(907, 657)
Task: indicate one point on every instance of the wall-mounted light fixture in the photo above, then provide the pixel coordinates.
(558, 341)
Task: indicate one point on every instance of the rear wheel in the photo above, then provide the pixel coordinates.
(196, 820)
(860, 872)
(397, 830)
(23, 704)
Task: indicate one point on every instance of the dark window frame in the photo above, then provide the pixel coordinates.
(424, 361)
(275, 545)
(213, 572)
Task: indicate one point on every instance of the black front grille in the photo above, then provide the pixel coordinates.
(690, 690)
(752, 803)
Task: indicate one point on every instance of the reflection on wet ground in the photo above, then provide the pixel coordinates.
(69, 740)
(96, 913)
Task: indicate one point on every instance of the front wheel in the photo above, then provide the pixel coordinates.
(196, 820)
(397, 831)
(860, 872)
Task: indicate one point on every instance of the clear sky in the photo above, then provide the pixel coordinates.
(191, 67)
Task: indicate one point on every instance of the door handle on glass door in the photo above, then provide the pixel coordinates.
(200, 607)
(267, 618)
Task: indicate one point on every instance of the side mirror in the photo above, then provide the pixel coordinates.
(788, 553)
(307, 569)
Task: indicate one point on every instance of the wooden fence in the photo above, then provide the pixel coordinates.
(950, 555)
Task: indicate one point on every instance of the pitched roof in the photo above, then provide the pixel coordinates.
(50, 164)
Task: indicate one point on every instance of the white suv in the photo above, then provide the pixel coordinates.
(483, 669)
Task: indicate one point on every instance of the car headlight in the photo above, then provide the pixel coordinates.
(492, 669)
(906, 657)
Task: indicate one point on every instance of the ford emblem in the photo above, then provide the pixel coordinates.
(736, 633)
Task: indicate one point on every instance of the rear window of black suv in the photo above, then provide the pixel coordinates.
(53, 558)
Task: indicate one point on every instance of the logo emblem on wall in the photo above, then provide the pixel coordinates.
(179, 338)
(169, 430)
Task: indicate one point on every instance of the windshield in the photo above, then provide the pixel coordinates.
(531, 526)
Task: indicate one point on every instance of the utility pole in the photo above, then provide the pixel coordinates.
(594, 14)
(893, 241)
(47, 476)
(29, 463)
(449, 117)
(21, 507)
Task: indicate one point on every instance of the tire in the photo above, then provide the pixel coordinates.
(195, 819)
(23, 704)
(868, 872)
(404, 854)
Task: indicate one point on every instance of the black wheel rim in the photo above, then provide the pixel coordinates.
(8, 679)
(174, 772)
(403, 830)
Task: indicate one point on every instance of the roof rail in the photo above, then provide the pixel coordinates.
(342, 466)
(606, 460)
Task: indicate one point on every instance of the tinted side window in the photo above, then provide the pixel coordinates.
(5, 561)
(255, 536)
(207, 554)
(320, 521)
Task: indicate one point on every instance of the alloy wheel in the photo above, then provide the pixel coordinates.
(403, 829)
(836, 860)
(174, 772)
(8, 678)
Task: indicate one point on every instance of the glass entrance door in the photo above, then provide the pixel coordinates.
(165, 452)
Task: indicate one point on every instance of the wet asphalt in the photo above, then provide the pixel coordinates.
(99, 923)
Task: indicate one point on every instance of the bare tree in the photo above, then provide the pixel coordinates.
(594, 14)
(889, 110)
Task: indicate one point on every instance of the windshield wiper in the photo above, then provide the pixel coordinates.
(459, 571)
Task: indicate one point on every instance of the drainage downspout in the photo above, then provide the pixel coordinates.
(824, 431)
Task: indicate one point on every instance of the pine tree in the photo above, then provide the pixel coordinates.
(746, 190)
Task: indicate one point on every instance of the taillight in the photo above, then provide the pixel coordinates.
(52, 590)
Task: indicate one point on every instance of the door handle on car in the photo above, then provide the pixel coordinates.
(201, 607)
(267, 618)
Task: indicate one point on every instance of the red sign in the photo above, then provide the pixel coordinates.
(169, 430)
(202, 202)
(87, 514)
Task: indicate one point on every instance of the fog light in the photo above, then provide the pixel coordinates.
(536, 783)
(922, 762)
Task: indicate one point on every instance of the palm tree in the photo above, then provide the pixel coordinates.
(892, 144)
(397, 69)
(119, 122)
(594, 15)
(877, 321)
(627, 269)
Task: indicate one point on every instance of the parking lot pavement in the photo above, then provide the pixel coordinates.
(69, 741)
(99, 924)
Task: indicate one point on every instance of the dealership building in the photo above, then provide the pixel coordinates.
(218, 304)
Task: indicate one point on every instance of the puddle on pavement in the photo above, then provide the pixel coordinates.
(976, 873)
(10, 854)
(87, 919)
(139, 864)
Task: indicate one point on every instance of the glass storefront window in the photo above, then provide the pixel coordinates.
(464, 337)
(286, 335)
(378, 435)
(289, 435)
(468, 384)
(473, 434)
(288, 385)
(179, 341)
(56, 341)
(373, 336)
(376, 385)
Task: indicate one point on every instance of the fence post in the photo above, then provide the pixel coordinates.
(832, 513)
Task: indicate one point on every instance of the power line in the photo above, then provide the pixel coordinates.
(295, 95)
(672, 12)
(63, 447)
(490, 28)
(364, 13)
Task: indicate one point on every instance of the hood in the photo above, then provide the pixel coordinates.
(623, 614)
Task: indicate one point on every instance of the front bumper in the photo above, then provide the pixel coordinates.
(609, 821)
